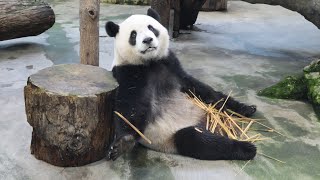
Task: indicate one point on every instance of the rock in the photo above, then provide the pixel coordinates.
(312, 76)
(303, 87)
(292, 87)
(70, 109)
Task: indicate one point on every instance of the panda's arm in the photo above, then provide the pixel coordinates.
(129, 104)
(191, 85)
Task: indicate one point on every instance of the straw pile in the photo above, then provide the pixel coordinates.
(230, 124)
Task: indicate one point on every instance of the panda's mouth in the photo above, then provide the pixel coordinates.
(149, 49)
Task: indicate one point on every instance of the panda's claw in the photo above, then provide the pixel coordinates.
(248, 111)
(120, 146)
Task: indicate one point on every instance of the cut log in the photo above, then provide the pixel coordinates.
(215, 5)
(70, 110)
(89, 32)
(24, 18)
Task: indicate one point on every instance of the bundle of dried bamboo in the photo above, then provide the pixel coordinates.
(230, 123)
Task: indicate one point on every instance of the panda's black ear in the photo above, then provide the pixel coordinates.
(112, 28)
(153, 13)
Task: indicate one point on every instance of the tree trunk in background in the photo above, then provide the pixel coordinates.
(70, 109)
(163, 8)
(24, 18)
(89, 32)
(189, 12)
(310, 9)
(215, 5)
(185, 13)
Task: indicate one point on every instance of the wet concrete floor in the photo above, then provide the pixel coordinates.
(245, 49)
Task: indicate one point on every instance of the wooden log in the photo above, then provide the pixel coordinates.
(185, 13)
(70, 110)
(89, 32)
(215, 5)
(309, 9)
(189, 12)
(163, 8)
(22, 18)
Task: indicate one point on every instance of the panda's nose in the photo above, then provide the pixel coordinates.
(147, 40)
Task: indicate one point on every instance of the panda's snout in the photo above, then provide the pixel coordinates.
(147, 40)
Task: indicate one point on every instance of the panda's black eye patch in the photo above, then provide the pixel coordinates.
(132, 39)
(155, 31)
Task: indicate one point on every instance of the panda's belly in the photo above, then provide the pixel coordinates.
(177, 112)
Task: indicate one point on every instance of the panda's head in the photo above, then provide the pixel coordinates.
(139, 39)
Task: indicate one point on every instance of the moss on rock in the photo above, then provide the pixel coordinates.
(312, 76)
(305, 86)
(292, 87)
(313, 67)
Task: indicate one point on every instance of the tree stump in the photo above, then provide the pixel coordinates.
(22, 18)
(70, 110)
(215, 5)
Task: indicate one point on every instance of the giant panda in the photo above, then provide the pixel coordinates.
(152, 95)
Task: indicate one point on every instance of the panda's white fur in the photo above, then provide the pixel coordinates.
(177, 112)
(124, 53)
(152, 94)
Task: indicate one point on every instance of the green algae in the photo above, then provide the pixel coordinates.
(313, 67)
(292, 87)
(312, 76)
(305, 86)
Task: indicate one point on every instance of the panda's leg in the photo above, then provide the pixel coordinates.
(208, 146)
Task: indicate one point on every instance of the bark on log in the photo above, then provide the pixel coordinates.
(185, 13)
(163, 8)
(70, 110)
(89, 32)
(22, 18)
(310, 9)
(189, 12)
(215, 5)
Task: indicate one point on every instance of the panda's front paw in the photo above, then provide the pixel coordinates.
(248, 111)
(121, 146)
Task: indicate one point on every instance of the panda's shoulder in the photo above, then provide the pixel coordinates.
(173, 63)
(126, 73)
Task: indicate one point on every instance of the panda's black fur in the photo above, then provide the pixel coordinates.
(143, 92)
